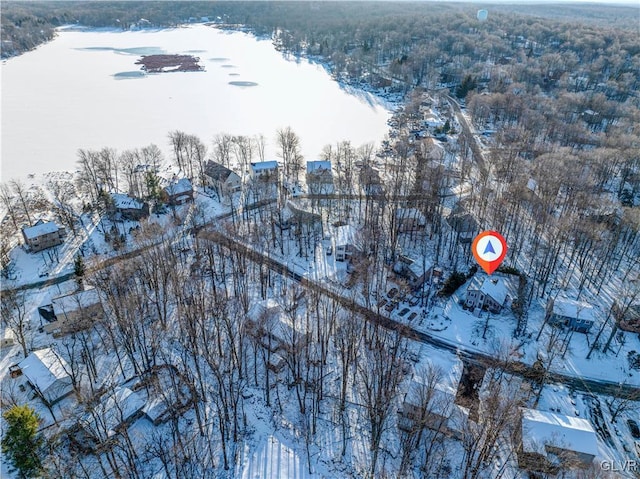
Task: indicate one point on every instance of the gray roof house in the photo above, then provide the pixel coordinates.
(221, 178)
(43, 235)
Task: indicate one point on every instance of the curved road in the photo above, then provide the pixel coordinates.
(518, 368)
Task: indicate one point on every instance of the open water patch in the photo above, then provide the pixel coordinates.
(228, 66)
(243, 83)
(129, 75)
(219, 59)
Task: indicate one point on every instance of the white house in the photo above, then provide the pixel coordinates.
(550, 439)
(221, 178)
(265, 171)
(493, 293)
(48, 374)
(345, 242)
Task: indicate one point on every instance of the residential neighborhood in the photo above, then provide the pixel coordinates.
(334, 240)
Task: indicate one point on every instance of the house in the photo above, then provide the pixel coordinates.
(574, 315)
(319, 178)
(221, 179)
(273, 330)
(178, 192)
(47, 373)
(345, 242)
(627, 318)
(113, 413)
(550, 440)
(43, 235)
(72, 312)
(125, 207)
(415, 272)
(266, 171)
(410, 219)
(463, 223)
(370, 181)
(8, 338)
(492, 294)
(432, 403)
(294, 214)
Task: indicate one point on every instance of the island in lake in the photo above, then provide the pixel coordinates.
(170, 63)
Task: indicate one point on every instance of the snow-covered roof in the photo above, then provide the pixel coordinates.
(419, 267)
(180, 187)
(318, 166)
(43, 368)
(345, 235)
(411, 214)
(541, 428)
(39, 229)
(264, 165)
(573, 309)
(278, 323)
(126, 202)
(76, 300)
(496, 287)
(114, 410)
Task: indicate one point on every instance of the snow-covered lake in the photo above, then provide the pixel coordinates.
(79, 91)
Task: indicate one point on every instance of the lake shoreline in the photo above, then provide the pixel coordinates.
(345, 112)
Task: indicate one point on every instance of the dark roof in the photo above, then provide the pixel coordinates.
(216, 171)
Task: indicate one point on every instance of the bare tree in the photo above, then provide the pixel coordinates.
(14, 316)
(289, 144)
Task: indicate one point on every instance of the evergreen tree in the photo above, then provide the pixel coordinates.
(79, 269)
(20, 443)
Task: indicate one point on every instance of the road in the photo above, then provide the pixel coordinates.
(590, 386)
(472, 140)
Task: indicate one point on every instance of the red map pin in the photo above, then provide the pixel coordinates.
(489, 249)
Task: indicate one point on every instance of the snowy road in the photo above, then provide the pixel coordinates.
(591, 386)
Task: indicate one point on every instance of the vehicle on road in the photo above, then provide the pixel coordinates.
(412, 316)
(392, 293)
(403, 312)
(633, 428)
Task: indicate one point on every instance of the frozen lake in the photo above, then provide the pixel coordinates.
(83, 90)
